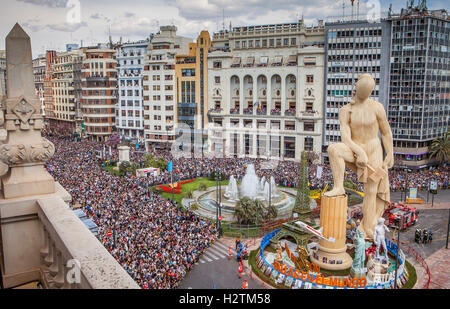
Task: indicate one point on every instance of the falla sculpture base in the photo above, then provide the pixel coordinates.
(333, 218)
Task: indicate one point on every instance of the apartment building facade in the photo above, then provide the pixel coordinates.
(352, 47)
(159, 84)
(66, 92)
(50, 59)
(2, 72)
(130, 104)
(191, 74)
(419, 96)
(99, 92)
(266, 91)
(39, 65)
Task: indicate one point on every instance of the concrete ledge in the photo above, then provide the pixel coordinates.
(99, 270)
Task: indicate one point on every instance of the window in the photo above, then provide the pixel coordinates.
(264, 43)
(293, 41)
(271, 42)
(217, 64)
(237, 44)
(310, 78)
(286, 42)
(217, 79)
(187, 72)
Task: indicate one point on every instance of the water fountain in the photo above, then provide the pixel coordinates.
(231, 192)
(249, 185)
(252, 187)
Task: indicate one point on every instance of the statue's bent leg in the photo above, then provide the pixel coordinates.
(339, 154)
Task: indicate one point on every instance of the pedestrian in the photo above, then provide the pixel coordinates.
(245, 285)
(240, 271)
(229, 252)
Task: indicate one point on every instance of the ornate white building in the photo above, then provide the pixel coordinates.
(266, 91)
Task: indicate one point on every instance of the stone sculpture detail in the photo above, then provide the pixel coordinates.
(357, 269)
(361, 121)
(379, 238)
(23, 151)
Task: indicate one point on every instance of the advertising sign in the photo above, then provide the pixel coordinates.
(412, 192)
(433, 186)
(143, 172)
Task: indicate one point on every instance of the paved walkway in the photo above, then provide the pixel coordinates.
(438, 263)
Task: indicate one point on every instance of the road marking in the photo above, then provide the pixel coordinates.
(210, 255)
(206, 258)
(218, 252)
(222, 245)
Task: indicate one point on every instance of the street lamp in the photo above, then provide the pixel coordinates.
(218, 204)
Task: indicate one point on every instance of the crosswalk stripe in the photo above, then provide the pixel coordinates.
(218, 252)
(222, 245)
(206, 258)
(210, 255)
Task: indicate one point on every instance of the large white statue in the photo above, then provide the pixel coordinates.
(360, 123)
(379, 238)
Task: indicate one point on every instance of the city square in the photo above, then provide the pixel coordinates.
(275, 156)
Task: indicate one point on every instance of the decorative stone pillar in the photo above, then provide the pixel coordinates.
(124, 154)
(24, 151)
(333, 217)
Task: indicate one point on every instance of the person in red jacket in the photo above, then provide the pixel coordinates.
(240, 271)
(245, 284)
(229, 252)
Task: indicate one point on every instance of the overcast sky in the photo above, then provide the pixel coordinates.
(53, 23)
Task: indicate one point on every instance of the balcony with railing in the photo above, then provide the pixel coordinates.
(275, 112)
(234, 111)
(248, 111)
(290, 112)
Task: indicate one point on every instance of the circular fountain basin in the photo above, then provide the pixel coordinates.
(207, 204)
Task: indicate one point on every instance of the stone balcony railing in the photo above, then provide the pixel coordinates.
(43, 240)
(71, 256)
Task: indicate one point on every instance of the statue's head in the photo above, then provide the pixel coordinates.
(364, 86)
(380, 221)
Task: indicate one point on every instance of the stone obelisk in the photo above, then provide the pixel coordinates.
(333, 218)
(24, 151)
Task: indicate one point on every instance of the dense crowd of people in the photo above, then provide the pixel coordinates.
(156, 242)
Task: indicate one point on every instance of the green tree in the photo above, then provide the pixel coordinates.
(123, 167)
(440, 148)
(248, 211)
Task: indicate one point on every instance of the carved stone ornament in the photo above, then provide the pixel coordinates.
(23, 154)
(23, 109)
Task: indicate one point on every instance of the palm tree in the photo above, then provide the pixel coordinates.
(248, 211)
(242, 210)
(440, 148)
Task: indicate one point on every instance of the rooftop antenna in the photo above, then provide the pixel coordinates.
(223, 19)
(357, 10)
(343, 10)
